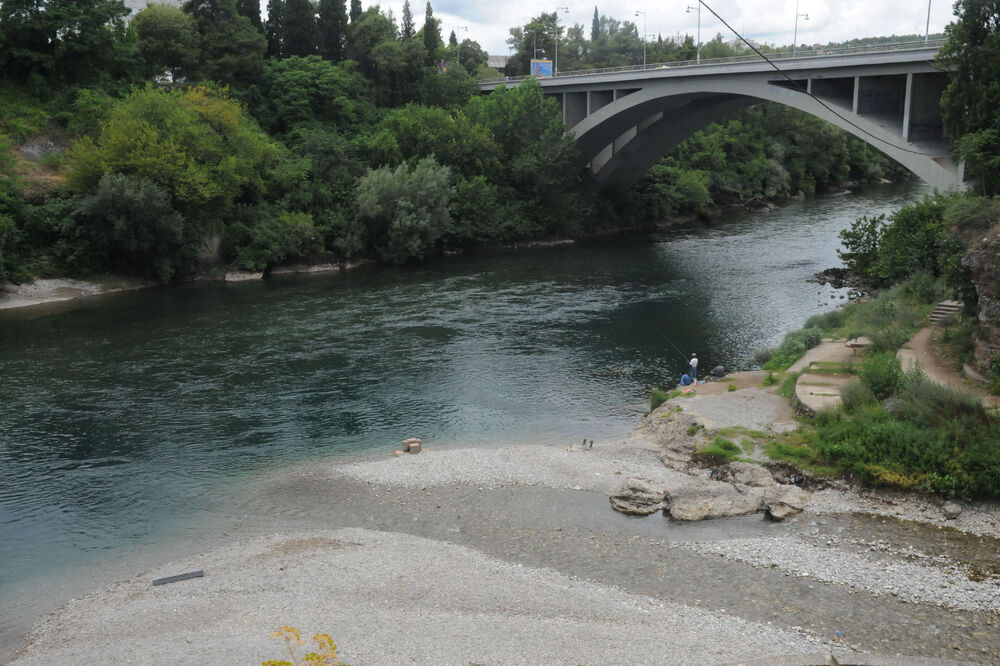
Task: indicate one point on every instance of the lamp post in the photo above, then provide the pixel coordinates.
(555, 65)
(927, 30)
(688, 11)
(795, 35)
(458, 44)
(637, 12)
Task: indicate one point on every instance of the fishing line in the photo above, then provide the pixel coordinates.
(799, 88)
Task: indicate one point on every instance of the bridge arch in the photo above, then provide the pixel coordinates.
(626, 136)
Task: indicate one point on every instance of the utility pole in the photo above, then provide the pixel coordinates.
(458, 44)
(927, 30)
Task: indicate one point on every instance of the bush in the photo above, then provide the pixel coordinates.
(828, 321)
(882, 375)
(793, 347)
(855, 396)
(994, 375)
(657, 398)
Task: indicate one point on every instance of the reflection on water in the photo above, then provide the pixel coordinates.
(127, 419)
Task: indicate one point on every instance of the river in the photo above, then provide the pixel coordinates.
(130, 420)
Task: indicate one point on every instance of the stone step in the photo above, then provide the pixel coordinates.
(944, 311)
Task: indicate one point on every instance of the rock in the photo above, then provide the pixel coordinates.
(781, 502)
(412, 444)
(243, 276)
(748, 474)
(951, 510)
(711, 499)
(637, 497)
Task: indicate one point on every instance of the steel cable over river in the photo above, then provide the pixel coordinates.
(129, 421)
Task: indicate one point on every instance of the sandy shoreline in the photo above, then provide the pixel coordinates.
(494, 555)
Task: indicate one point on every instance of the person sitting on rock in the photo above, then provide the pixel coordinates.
(718, 371)
(685, 380)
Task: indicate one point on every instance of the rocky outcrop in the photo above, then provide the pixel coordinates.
(675, 433)
(781, 502)
(712, 500)
(637, 497)
(747, 474)
(983, 262)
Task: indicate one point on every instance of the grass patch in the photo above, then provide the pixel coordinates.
(694, 428)
(787, 388)
(731, 388)
(720, 450)
(793, 347)
(770, 380)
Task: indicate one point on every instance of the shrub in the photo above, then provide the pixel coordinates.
(731, 388)
(793, 347)
(828, 321)
(882, 375)
(994, 374)
(657, 398)
(770, 380)
(855, 396)
(325, 654)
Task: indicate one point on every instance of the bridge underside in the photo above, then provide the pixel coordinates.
(624, 130)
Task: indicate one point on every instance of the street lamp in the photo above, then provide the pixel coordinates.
(555, 65)
(927, 30)
(688, 11)
(795, 37)
(637, 12)
(534, 48)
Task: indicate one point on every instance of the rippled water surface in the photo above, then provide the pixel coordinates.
(128, 420)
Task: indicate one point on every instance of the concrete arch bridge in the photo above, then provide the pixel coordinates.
(625, 120)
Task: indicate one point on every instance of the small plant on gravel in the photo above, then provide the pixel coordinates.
(771, 379)
(694, 428)
(325, 654)
(731, 388)
(657, 398)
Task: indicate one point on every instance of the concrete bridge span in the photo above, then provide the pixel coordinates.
(625, 121)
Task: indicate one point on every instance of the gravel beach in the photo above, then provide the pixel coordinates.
(498, 555)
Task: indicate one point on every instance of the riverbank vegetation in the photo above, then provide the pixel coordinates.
(201, 135)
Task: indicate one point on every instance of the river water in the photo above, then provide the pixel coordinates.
(128, 420)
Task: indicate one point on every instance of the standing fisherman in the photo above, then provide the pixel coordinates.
(693, 373)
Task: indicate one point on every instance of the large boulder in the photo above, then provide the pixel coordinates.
(712, 499)
(782, 502)
(748, 474)
(637, 497)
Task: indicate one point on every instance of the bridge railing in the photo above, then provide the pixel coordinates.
(783, 55)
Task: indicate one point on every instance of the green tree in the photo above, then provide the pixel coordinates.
(595, 26)
(195, 143)
(301, 35)
(232, 50)
(970, 102)
(432, 34)
(274, 30)
(62, 42)
(355, 10)
(403, 212)
(251, 10)
(296, 94)
(133, 228)
(407, 30)
(168, 40)
(332, 29)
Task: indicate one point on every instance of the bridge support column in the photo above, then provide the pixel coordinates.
(907, 100)
(857, 95)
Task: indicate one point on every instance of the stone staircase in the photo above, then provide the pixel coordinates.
(944, 311)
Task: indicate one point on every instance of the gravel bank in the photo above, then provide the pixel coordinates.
(388, 599)
(905, 573)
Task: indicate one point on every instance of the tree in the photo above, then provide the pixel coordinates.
(403, 212)
(168, 40)
(452, 40)
(65, 42)
(250, 9)
(406, 30)
(595, 27)
(301, 32)
(232, 49)
(274, 29)
(432, 34)
(332, 29)
(970, 101)
(195, 143)
(297, 94)
(355, 10)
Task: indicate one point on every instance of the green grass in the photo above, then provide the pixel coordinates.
(787, 389)
(719, 451)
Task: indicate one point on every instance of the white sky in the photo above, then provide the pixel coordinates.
(767, 21)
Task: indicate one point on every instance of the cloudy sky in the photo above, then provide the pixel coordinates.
(768, 21)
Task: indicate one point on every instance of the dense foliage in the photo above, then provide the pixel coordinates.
(332, 128)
